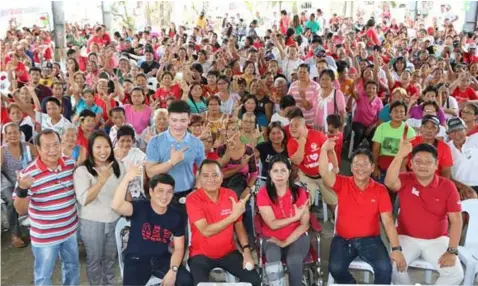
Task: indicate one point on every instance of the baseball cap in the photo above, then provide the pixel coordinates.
(431, 118)
(455, 123)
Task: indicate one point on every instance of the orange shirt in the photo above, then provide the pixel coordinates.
(200, 206)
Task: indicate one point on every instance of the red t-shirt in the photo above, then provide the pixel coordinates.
(372, 36)
(462, 95)
(472, 131)
(310, 163)
(444, 154)
(101, 103)
(47, 55)
(200, 206)
(4, 119)
(412, 90)
(283, 208)
(424, 209)
(163, 94)
(81, 139)
(359, 210)
(101, 42)
(21, 73)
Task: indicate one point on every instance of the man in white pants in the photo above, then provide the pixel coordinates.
(427, 202)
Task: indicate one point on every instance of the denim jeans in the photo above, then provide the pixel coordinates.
(369, 249)
(45, 258)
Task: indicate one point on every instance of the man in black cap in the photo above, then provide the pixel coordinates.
(428, 132)
(464, 151)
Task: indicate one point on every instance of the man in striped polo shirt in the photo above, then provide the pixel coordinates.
(45, 191)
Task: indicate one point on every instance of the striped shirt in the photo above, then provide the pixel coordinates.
(52, 208)
(311, 94)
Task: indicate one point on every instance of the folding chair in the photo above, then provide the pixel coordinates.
(122, 233)
(312, 263)
(468, 253)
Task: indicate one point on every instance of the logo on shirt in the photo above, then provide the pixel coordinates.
(373, 201)
(226, 212)
(155, 234)
(415, 192)
(314, 147)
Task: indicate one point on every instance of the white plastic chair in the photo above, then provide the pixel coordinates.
(120, 225)
(229, 277)
(468, 253)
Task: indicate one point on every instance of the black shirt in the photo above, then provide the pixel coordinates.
(149, 67)
(150, 232)
(267, 152)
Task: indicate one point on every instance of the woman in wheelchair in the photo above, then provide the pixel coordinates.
(283, 207)
(153, 225)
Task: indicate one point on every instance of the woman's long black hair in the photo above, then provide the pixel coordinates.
(89, 163)
(271, 189)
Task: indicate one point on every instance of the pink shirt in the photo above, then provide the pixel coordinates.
(326, 106)
(311, 94)
(367, 111)
(138, 119)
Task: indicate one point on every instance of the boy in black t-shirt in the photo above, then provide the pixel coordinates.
(153, 225)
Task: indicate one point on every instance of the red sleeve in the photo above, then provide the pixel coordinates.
(303, 196)
(263, 198)
(471, 94)
(385, 205)
(48, 54)
(405, 178)
(194, 210)
(446, 159)
(453, 203)
(292, 146)
(339, 182)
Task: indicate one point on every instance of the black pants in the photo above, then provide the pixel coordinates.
(201, 266)
(138, 270)
(359, 130)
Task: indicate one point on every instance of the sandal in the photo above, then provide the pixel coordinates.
(17, 242)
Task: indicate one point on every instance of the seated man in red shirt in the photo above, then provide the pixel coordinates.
(429, 131)
(427, 203)
(363, 202)
(215, 215)
(304, 148)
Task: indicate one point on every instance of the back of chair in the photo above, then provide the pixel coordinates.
(120, 225)
(470, 206)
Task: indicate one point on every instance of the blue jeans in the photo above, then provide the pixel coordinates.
(45, 258)
(369, 249)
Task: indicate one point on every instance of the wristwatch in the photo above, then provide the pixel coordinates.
(247, 246)
(175, 269)
(452, 250)
(397, 248)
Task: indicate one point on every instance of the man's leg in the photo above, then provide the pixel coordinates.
(372, 251)
(137, 270)
(329, 197)
(45, 258)
(110, 253)
(296, 253)
(93, 237)
(201, 266)
(432, 252)
(310, 184)
(341, 254)
(70, 260)
(232, 263)
(161, 266)
(411, 250)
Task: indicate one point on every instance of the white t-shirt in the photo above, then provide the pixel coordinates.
(450, 102)
(277, 117)
(465, 163)
(45, 122)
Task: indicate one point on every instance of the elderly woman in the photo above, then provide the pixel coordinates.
(69, 146)
(160, 124)
(283, 207)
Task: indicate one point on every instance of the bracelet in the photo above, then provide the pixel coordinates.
(21, 193)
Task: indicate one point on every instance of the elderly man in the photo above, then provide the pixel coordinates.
(428, 203)
(215, 215)
(45, 191)
(464, 152)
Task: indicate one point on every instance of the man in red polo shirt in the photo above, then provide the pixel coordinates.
(215, 215)
(363, 202)
(427, 203)
(429, 131)
(101, 38)
(304, 150)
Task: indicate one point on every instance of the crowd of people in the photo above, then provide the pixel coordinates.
(176, 130)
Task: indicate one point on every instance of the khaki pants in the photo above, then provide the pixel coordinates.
(328, 195)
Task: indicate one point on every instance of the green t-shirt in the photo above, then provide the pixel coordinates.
(248, 141)
(389, 138)
(314, 26)
(299, 30)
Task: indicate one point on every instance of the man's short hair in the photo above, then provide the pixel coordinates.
(179, 106)
(117, 109)
(209, 162)
(424, 147)
(125, 130)
(45, 132)
(54, 100)
(34, 69)
(334, 120)
(286, 101)
(295, 112)
(165, 179)
(365, 152)
(396, 104)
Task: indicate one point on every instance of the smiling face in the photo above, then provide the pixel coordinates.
(161, 195)
(362, 168)
(49, 149)
(101, 151)
(210, 177)
(125, 143)
(178, 123)
(424, 165)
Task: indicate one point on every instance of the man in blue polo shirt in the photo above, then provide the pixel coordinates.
(175, 151)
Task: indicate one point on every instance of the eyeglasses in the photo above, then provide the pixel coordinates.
(357, 165)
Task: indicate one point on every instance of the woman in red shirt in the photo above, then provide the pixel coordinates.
(167, 90)
(284, 208)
